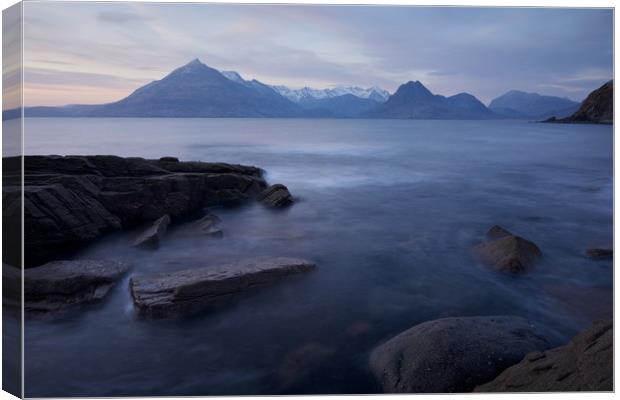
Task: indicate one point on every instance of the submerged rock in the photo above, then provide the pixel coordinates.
(600, 254)
(72, 200)
(585, 364)
(151, 236)
(276, 196)
(507, 252)
(303, 362)
(453, 354)
(61, 284)
(192, 290)
(208, 225)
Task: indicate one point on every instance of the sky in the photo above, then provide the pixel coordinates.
(89, 53)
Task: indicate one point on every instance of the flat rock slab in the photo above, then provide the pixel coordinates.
(585, 364)
(61, 284)
(600, 253)
(453, 355)
(192, 290)
(507, 252)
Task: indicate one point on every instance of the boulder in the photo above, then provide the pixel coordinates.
(151, 236)
(584, 364)
(453, 354)
(61, 284)
(72, 200)
(600, 254)
(276, 196)
(192, 290)
(507, 252)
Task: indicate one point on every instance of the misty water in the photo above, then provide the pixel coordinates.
(388, 210)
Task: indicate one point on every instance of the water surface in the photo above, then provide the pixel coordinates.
(387, 209)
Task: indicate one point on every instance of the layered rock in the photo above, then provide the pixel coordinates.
(151, 236)
(585, 364)
(70, 201)
(453, 354)
(192, 290)
(507, 252)
(61, 284)
(276, 196)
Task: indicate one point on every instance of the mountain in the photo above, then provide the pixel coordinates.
(521, 105)
(345, 106)
(598, 107)
(299, 95)
(413, 100)
(193, 90)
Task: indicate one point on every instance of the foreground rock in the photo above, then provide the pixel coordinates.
(70, 201)
(585, 364)
(192, 290)
(453, 354)
(61, 284)
(600, 254)
(151, 236)
(276, 196)
(507, 252)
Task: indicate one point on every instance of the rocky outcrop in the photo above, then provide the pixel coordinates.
(453, 354)
(600, 254)
(585, 364)
(507, 252)
(192, 290)
(598, 107)
(208, 225)
(70, 201)
(61, 284)
(276, 196)
(151, 236)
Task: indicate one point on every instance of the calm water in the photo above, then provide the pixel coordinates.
(388, 210)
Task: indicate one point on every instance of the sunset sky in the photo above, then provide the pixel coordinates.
(100, 52)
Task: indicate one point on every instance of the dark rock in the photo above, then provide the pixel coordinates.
(453, 354)
(600, 254)
(497, 232)
(598, 107)
(276, 196)
(169, 159)
(192, 290)
(70, 201)
(61, 284)
(507, 252)
(585, 364)
(151, 236)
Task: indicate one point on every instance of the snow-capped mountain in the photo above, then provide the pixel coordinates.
(300, 95)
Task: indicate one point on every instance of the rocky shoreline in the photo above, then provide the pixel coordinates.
(72, 201)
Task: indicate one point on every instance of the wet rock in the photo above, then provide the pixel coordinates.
(61, 284)
(189, 291)
(507, 252)
(497, 232)
(152, 235)
(72, 200)
(600, 254)
(453, 354)
(276, 196)
(208, 226)
(585, 364)
(302, 362)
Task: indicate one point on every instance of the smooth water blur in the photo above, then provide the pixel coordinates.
(388, 210)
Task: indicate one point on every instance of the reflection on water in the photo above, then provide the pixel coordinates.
(388, 210)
